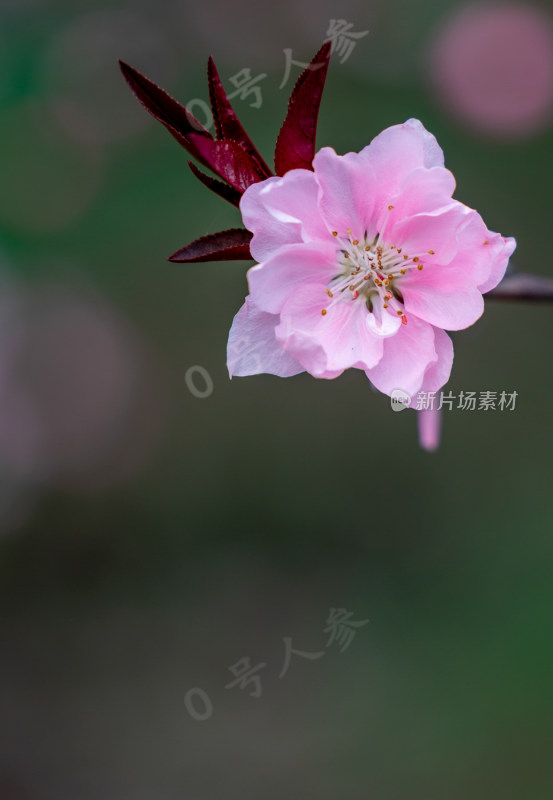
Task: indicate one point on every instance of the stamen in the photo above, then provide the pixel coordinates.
(369, 268)
(381, 232)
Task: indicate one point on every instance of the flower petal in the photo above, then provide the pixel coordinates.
(400, 149)
(281, 211)
(348, 187)
(437, 374)
(326, 345)
(381, 322)
(424, 190)
(431, 230)
(502, 250)
(252, 347)
(393, 155)
(481, 253)
(272, 282)
(405, 358)
(443, 296)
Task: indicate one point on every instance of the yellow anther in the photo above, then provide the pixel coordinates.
(420, 266)
(356, 241)
(431, 252)
(323, 312)
(335, 233)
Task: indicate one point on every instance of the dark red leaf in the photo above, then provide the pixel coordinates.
(231, 245)
(227, 123)
(229, 161)
(222, 189)
(522, 286)
(295, 147)
(178, 121)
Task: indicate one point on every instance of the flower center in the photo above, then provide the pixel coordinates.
(371, 271)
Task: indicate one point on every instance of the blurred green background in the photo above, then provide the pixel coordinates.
(150, 539)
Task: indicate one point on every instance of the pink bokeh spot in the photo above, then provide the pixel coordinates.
(430, 426)
(81, 401)
(492, 66)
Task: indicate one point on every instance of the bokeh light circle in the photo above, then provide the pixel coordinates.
(492, 67)
(80, 401)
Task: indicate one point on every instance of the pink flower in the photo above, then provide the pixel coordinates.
(364, 262)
